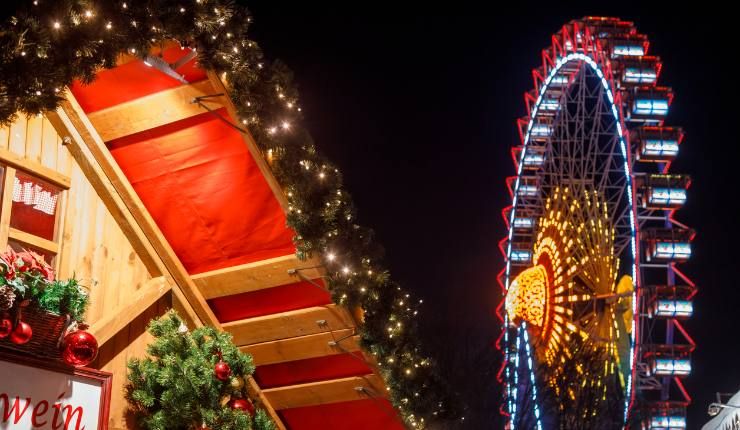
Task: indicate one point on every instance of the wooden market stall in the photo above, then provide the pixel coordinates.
(161, 202)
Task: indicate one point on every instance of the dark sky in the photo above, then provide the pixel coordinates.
(417, 107)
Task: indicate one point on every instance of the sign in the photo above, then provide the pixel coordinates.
(48, 396)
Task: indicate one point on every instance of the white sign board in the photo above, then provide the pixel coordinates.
(34, 395)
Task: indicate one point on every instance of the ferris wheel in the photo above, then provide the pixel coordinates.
(593, 298)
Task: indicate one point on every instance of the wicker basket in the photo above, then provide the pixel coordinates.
(48, 331)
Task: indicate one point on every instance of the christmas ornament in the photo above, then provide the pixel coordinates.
(6, 326)
(7, 297)
(237, 382)
(222, 371)
(21, 334)
(79, 348)
(225, 399)
(242, 405)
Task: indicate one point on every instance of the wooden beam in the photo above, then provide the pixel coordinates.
(72, 124)
(108, 326)
(34, 168)
(301, 348)
(152, 111)
(256, 393)
(323, 392)
(301, 322)
(277, 190)
(254, 276)
(33, 240)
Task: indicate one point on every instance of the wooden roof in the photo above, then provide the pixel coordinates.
(200, 205)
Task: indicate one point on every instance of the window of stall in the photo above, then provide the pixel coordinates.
(29, 211)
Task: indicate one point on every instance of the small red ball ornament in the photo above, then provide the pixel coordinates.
(222, 371)
(21, 334)
(243, 405)
(79, 348)
(6, 326)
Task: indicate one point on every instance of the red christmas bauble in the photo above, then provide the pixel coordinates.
(243, 405)
(6, 326)
(79, 348)
(222, 371)
(21, 334)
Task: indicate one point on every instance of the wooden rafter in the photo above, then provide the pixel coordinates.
(254, 276)
(323, 392)
(301, 348)
(302, 322)
(114, 321)
(152, 111)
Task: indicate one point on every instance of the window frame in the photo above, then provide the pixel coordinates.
(11, 164)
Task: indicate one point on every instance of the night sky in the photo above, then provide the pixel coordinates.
(417, 107)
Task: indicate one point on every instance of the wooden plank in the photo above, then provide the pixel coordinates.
(256, 393)
(33, 138)
(301, 348)
(257, 155)
(33, 240)
(254, 276)
(72, 122)
(18, 129)
(50, 147)
(301, 322)
(115, 320)
(35, 168)
(152, 111)
(6, 205)
(324, 392)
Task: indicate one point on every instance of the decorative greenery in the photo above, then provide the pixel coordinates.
(27, 276)
(49, 43)
(176, 387)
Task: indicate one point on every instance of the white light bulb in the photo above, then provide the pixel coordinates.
(57, 25)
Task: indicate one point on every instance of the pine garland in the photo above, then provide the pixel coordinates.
(175, 388)
(47, 44)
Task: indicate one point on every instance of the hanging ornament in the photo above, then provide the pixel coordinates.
(222, 371)
(79, 348)
(237, 382)
(6, 326)
(21, 334)
(225, 399)
(7, 297)
(242, 405)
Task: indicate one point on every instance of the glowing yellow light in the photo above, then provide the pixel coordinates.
(527, 296)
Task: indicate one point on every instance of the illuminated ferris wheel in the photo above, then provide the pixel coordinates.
(594, 300)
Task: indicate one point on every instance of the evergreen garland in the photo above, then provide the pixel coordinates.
(48, 43)
(175, 388)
